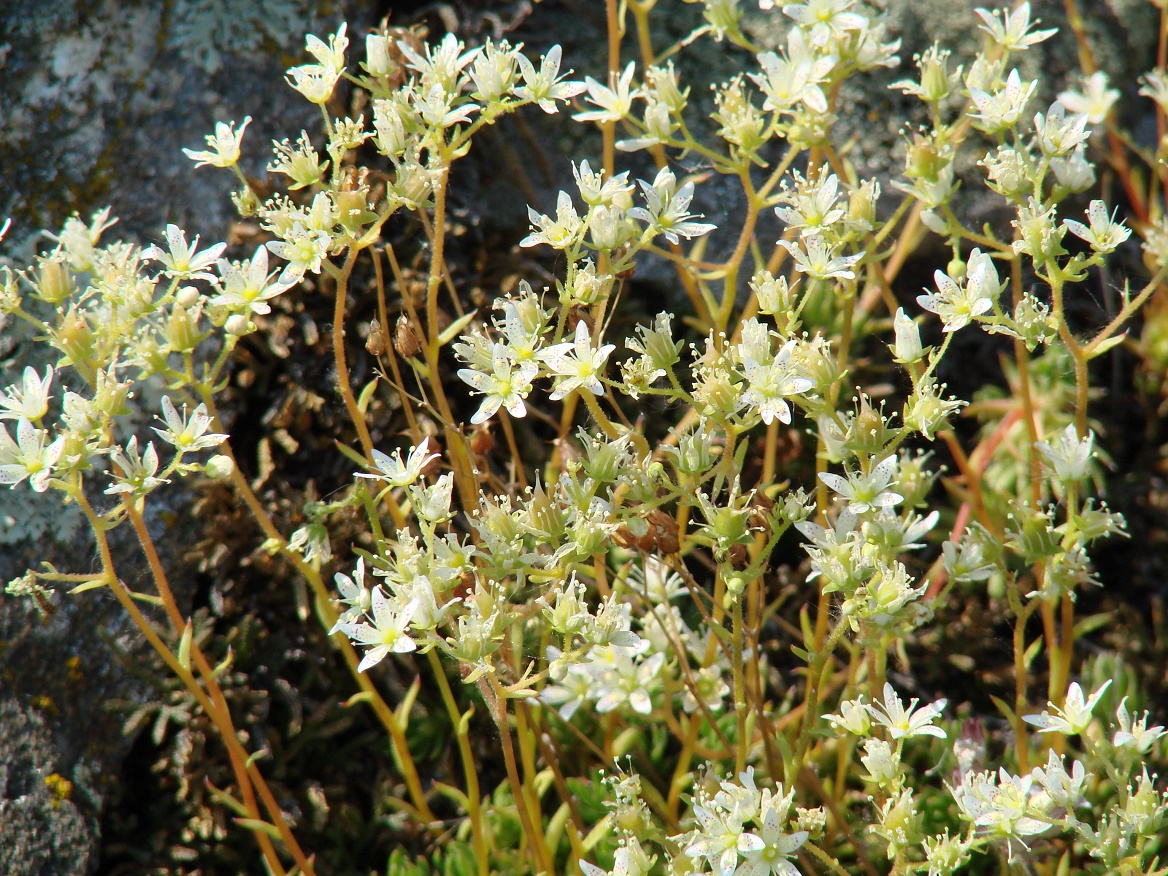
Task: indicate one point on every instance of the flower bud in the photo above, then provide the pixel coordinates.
(247, 202)
(188, 296)
(54, 283)
(182, 329)
(934, 76)
(774, 296)
(352, 210)
(908, 338)
(378, 61)
(862, 203)
(237, 324)
(75, 337)
(219, 467)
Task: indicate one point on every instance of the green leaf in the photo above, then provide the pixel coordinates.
(225, 663)
(184, 647)
(255, 824)
(367, 395)
(1104, 346)
(1005, 710)
(88, 585)
(453, 330)
(352, 455)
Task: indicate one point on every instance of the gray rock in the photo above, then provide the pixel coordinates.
(96, 102)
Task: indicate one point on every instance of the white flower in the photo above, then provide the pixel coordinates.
(441, 64)
(1004, 806)
(332, 54)
(1134, 732)
(354, 595)
(882, 763)
(778, 846)
(628, 682)
(825, 19)
(813, 205)
(183, 261)
(770, 385)
(614, 103)
(958, 304)
(394, 472)
(224, 145)
(1064, 789)
(304, 249)
(544, 86)
(1057, 135)
(187, 435)
(816, 258)
(576, 364)
(666, 208)
(432, 503)
(596, 191)
(1012, 32)
(1075, 714)
(30, 456)
(1096, 99)
(1002, 109)
(1104, 233)
(314, 82)
(558, 233)
(786, 82)
(493, 72)
(138, 473)
(866, 491)
(248, 286)
(853, 717)
(387, 634)
(505, 386)
(903, 723)
(31, 400)
(1069, 457)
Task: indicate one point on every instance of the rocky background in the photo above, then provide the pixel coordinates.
(96, 101)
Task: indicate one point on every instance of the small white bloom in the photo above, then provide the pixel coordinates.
(187, 435)
(666, 209)
(544, 86)
(30, 400)
(1075, 714)
(1134, 732)
(394, 472)
(614, 103)
(558, 233)
(1104, 233)
(138, 475)
(184, 261)
(1069, 457)
(31, 456)
(505, 386)
(902, 723)
(1096, 99)
(248, 286)
(224, 145)
(387, 634)
(1012, 32)
(354, 595)
(816, 258)
(866, 491)
(576, 365)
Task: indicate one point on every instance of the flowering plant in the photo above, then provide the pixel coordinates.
(623, 603)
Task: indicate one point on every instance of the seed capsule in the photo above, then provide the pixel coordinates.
(375, 343)
(405, 339)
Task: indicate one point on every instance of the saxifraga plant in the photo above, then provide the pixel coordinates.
(615, 607)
